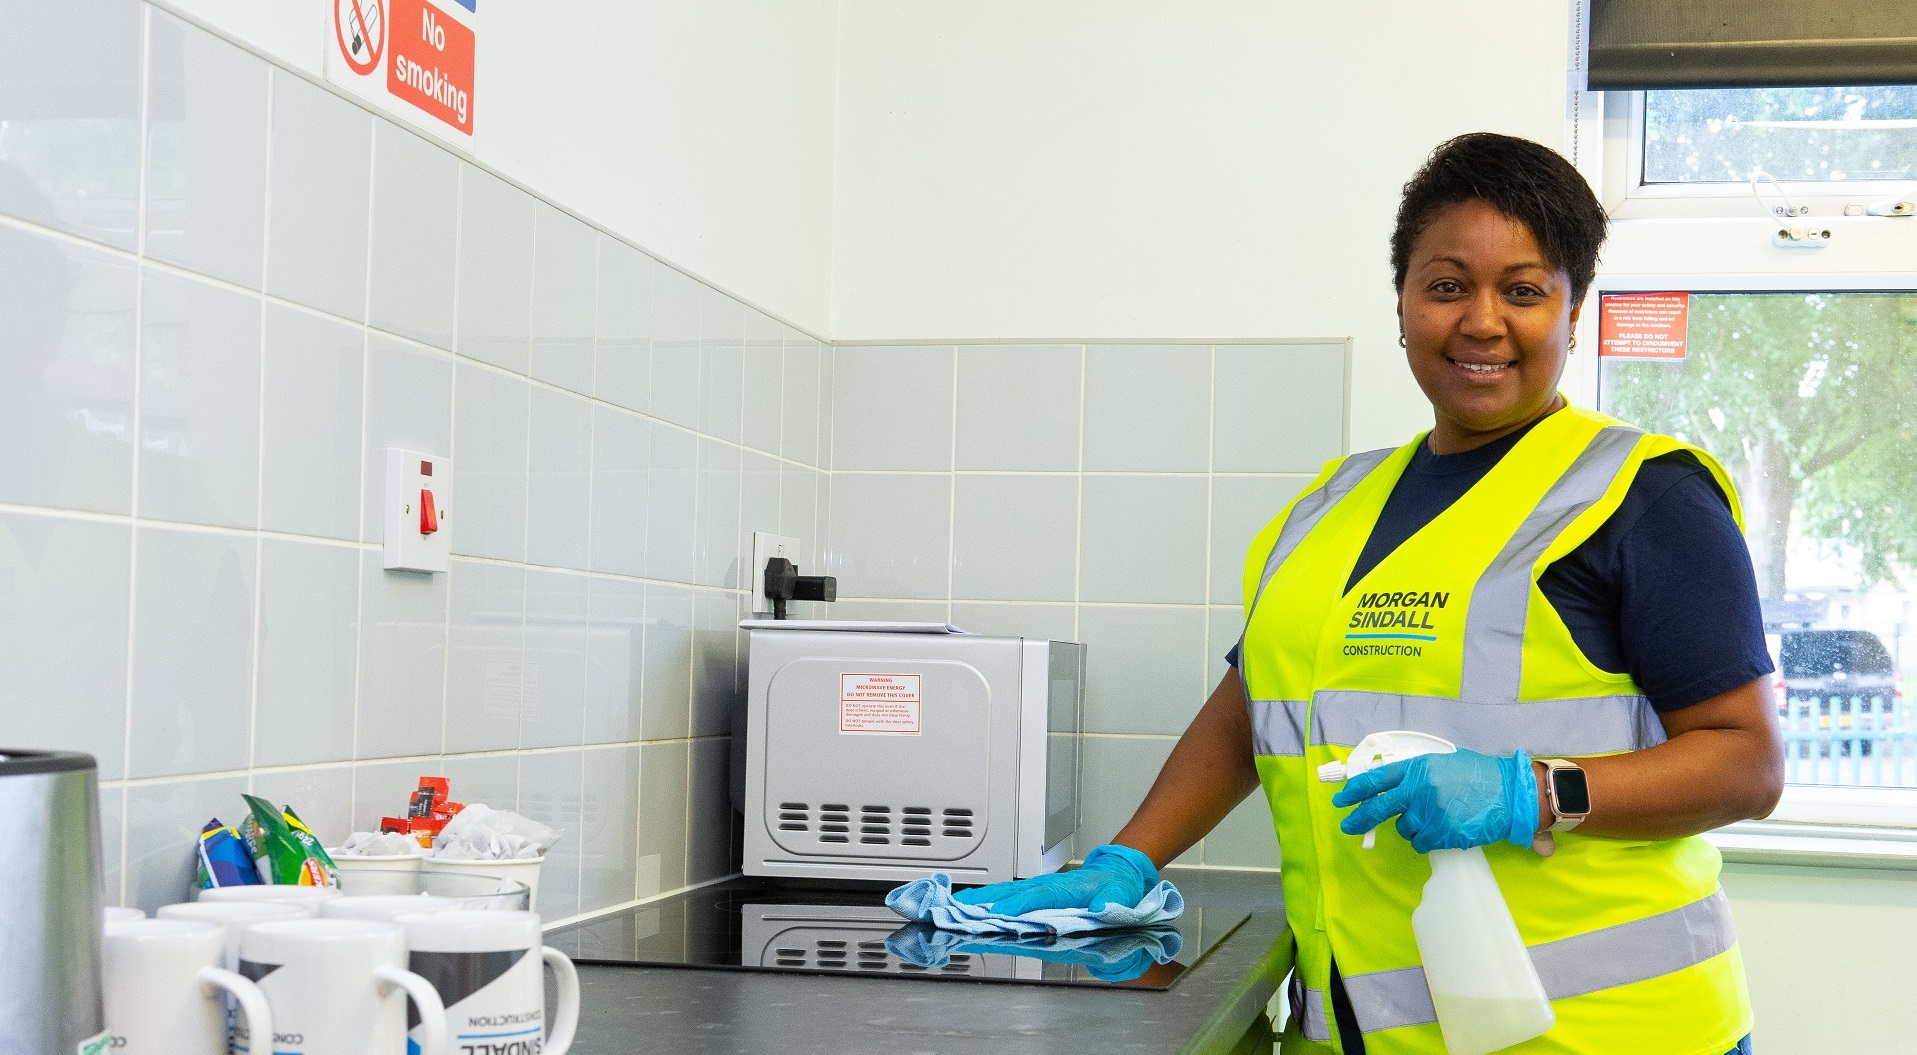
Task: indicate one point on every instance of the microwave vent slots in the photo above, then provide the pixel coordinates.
(794, 817)
(874, 824)
(827, 954)
(956, 822)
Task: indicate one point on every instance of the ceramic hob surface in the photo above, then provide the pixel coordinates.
(770, 925)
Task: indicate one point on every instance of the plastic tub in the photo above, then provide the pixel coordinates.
(472, 890)
(390, 868)
(520, 871)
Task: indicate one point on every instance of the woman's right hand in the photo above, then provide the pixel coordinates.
(1111, 874)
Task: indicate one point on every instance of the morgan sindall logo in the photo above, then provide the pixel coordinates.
(1395, 623)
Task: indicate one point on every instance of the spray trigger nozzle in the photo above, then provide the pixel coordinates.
(1382, 749)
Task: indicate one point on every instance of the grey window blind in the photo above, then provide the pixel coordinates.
(1642, 44)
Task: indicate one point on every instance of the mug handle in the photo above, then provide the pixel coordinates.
(566, 1022)
(432, 1013)
(259, 1020)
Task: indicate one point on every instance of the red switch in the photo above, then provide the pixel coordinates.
(428, 515)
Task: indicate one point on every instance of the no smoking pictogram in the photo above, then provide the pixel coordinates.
(360, 28)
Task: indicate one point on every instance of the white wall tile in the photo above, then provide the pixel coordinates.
(554, 711)
(716, 686)
(323, 798)
(673, 473)
(673, 384)
(759, 483)
(409, 404)
(112, 826)
(621, 443)
(1147, 408)
(799, 493)
(892, 408)
(199, 402)
(804, 362)
(559, 479)
(491, 779)
(1018, 407)
(1246, 838)
(550, 790)
(1015, 538)
(1143, 539)
(763, 382)
(1144, 667)
(718, 516)
(415, 224)
(495, 270)
(310, 474)
(622, 354)
(1043, 622)
(66, 374)
(486, 669)
(1241, 506)
(308, 653)
(667, 675)
(1114, 774)
(63, 614)
(1254, 432)
(711, 844)
(663, 772)
(609, 828)
(615, 659)
(721, 364)
(889, 535)
(71, 104)
(402, 660)
(163, 823)
(565, 281)
(318, 198)
(205, 153)
(192, 683)
(489, 463)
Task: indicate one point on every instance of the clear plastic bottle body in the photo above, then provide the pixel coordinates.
(1483, 985)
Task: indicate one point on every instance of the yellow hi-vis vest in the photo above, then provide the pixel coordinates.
(1449, 635)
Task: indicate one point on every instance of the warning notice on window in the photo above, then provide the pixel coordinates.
(879, 703)
(1643, 325)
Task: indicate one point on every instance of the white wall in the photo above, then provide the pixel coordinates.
(1150, 168)
(701, 131)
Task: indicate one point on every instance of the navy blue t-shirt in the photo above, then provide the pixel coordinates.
(1663, 590)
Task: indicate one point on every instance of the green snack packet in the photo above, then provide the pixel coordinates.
(285, 850)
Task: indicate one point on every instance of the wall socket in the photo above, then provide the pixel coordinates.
(765, 546)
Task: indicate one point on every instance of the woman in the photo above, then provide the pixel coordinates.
(1564, 597)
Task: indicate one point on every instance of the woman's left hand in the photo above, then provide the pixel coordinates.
(1447, 802)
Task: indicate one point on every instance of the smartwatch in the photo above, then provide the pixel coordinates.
(1570, 796)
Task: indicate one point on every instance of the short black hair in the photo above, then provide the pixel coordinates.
(1526, 181)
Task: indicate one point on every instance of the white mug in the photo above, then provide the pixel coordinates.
(299, 895)
(160, 978)
(337, 987)
(116, 914)
(233, 917)
(382, 907)
(486, 966)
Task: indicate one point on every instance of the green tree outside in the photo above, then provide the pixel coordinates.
(1810, 400)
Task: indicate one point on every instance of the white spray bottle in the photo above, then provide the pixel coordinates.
(1483, 984)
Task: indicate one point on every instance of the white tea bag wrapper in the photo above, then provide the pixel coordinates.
(481, 833)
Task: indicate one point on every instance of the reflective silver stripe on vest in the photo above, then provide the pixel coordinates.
(1583, 963)
(1278, 727)
(1592, 725)
(1494, 625)
(1312, 508)
(1308, 1007)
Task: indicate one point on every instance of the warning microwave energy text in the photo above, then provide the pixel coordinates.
(879, 703)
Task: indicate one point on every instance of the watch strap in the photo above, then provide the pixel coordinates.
(1565, 822)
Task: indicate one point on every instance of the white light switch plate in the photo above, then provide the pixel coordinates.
(765, 546)
(411, 477)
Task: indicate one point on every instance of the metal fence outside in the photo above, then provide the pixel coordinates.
(1858, 741)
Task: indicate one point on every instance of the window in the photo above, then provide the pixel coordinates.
(1809, 398)
(1813, 134)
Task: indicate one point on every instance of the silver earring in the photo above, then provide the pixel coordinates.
(1574, 344)
(1401, 343)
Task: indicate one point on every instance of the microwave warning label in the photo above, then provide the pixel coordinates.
(879, 703)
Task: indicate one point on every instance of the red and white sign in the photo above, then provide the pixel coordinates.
(414, 58)
(1643, 325)
(879, 703)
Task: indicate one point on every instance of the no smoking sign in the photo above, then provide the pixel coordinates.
(411, 57)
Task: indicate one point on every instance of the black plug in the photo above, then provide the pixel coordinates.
(784, 583)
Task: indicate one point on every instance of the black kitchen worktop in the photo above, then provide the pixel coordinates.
(1216, 1006)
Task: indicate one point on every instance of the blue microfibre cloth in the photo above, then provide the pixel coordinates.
(1111, 956)
(929, 900)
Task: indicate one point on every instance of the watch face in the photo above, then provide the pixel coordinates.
(1570, 792)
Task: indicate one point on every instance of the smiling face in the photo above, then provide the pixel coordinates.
(1487, 324)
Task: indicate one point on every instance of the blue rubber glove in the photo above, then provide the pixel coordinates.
(1447, 802)
(1111, 874)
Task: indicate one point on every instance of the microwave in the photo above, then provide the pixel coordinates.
(892, 751)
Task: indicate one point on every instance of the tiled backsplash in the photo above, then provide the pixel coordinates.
(1100, 493)
(224, 291)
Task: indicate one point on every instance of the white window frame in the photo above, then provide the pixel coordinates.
(1714, 238)
(1627, 197)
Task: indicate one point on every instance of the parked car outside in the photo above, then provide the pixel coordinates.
(1842, 679)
